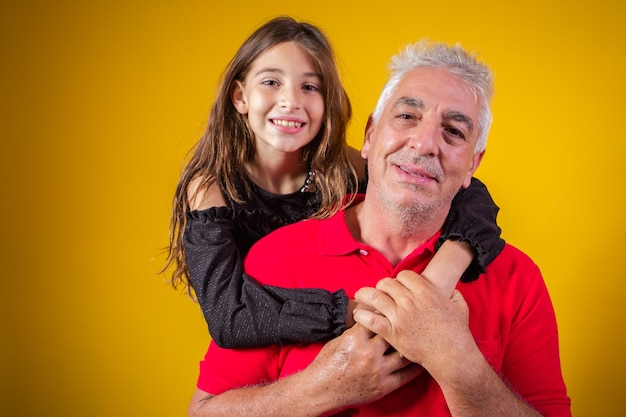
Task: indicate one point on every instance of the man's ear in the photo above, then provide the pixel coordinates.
(369, 128)
(476, 159)
(239, 99)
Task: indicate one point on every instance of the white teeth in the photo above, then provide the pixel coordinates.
(286, 123)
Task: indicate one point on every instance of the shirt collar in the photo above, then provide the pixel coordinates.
(335, 237)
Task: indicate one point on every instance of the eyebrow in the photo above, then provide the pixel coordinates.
(456, 116)
(279, 71)
(409, 101)
(461, 118)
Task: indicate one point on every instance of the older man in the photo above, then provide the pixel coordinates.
(490, 350)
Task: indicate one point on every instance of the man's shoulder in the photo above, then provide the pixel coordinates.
(511, 262)
(308, 231)
(279, 257)
(286, 242)
(513, 253)
(295, 231)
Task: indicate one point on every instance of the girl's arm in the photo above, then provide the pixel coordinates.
(239, 311)
(448, 264)
(470, 239)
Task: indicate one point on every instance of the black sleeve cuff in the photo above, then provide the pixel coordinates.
(473, 219)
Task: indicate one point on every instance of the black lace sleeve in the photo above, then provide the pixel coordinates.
(472, 219)
(239, 311)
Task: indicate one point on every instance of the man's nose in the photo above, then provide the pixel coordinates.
(424, 136)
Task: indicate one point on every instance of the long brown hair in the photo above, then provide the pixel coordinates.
(228, 143)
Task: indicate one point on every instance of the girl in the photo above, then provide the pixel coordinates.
(274, 153)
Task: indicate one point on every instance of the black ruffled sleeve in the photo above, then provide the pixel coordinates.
(472, 219)
(239, 311)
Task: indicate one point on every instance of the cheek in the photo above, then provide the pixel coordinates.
(260, 101)
(317, 109)
(379, 146)
(459, 158)
(257, 102)
(461, 168)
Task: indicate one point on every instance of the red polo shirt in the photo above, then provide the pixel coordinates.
(511, 318)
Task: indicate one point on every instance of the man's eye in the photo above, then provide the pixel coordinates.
(452, 131)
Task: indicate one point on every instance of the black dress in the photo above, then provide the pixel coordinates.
(241, 313)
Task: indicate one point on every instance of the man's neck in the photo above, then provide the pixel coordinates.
(393, 236)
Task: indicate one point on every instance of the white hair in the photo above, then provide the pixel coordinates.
(454, 59)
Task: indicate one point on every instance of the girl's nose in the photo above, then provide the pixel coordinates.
(290, 98)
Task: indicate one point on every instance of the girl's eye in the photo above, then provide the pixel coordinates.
(271, 83)
(310, 87)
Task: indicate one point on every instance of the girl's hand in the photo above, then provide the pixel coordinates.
(352, 305)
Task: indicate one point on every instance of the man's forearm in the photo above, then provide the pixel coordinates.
(281, 398)
(354, 368)
(479, 391)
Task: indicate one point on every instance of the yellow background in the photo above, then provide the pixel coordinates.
(100, 101)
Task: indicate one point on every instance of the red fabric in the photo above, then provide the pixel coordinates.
(511, 318)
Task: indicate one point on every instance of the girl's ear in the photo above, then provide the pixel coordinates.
(239, 99)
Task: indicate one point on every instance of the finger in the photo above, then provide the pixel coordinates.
(411, 280)
(398, 358)
(457, 297)
(395, 361)
(374, 322)
(459, 301)
(389, 285)
(418, 287)
(407, 373)
(374, 297)
(365, 335)
(361, 332)
(359, 305)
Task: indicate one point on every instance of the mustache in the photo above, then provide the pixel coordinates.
(426, 163)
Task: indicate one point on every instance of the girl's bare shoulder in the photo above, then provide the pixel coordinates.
(203, 194)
